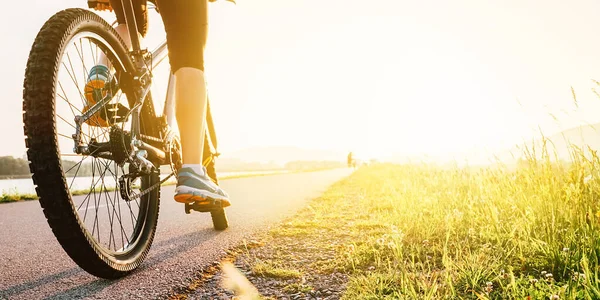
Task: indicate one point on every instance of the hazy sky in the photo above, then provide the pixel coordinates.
(377, 77)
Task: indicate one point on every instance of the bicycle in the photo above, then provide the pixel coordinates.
(108, 228)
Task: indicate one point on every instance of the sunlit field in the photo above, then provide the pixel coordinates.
(489, 233)
(427, 232)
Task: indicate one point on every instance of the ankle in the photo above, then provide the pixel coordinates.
(198, 168)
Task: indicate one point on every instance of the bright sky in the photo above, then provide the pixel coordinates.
(378, 77)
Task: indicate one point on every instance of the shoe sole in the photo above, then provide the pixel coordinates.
(206, 198)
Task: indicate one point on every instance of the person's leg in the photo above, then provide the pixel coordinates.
(186, 25)
(190, 111)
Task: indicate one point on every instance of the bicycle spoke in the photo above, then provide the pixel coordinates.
(113, 174)
(109, 226)
(86, 200)
(110, 202)
(79, 165)
(76, 172)
(117, 215)
(120, 215)
(64, 97)
(106, 229)
(93, 183)
(72, 75)
(124, 236)
(73, 78)
(85, 69)
(92, 191)
(67, 137)
(94, 55)
(111, 236)
(73, 126)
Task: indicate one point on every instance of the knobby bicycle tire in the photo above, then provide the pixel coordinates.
(40, 129)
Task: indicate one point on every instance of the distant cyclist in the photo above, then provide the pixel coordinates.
(351, 162)
(186, 26)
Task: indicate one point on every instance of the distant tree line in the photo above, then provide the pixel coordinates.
(18, 167)
(10, 166)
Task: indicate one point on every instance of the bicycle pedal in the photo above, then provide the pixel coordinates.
(203, 207)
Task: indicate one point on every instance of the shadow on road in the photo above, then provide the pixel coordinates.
(83, 291)
(178, 245)
(20, 288)
(163, 251)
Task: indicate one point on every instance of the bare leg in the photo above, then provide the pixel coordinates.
(190, 110)
(193, 183)
(186, 25)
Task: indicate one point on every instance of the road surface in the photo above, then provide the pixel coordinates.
(34, 266)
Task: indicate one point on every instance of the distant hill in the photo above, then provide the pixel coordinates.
(560, 144)
(582, 136)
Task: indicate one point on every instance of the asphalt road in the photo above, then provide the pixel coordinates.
(34, 266)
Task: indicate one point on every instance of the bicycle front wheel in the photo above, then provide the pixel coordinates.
(92, 210)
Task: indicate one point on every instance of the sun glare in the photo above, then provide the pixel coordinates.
(386, 79)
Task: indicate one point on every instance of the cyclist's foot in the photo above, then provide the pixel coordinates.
(94, 89)
(194, 186)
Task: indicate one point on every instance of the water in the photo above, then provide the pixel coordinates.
(25, 186)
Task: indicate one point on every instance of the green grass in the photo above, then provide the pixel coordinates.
(476, 234)
(16, 196)
(297, 288)
(427, 232)
(270, 270)
(11, 197)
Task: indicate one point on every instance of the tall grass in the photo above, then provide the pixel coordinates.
(13, 195)
(488, 233)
